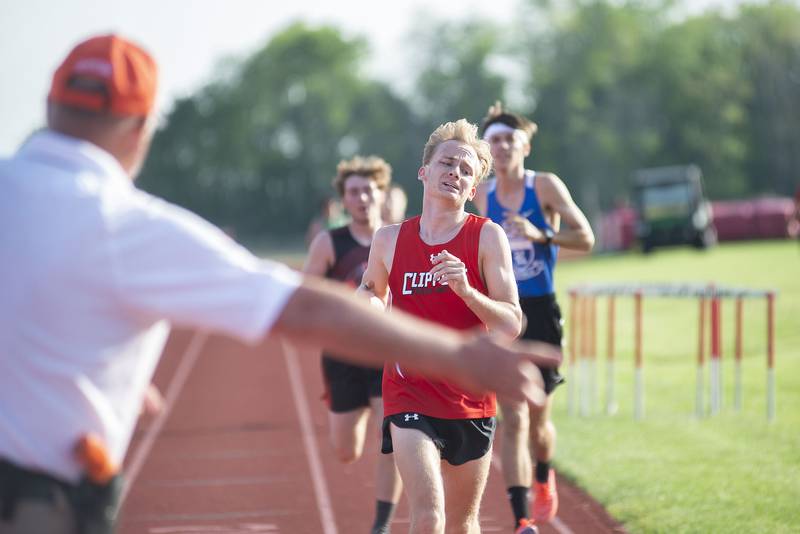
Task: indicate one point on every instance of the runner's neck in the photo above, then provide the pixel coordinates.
(441, 227)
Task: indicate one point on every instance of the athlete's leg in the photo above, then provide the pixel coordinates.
(348, 431)
(542, 432)
(543, 441)
(515, 454)
(463, 488)
(388, 485)
(419, 463)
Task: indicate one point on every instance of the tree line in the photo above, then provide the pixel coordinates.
(613, 86)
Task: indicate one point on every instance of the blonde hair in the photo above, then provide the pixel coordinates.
(372, 167)
(497, 113)
(466, 132)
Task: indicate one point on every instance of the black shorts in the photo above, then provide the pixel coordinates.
(458, 440)
(349, 387)
(544, 323)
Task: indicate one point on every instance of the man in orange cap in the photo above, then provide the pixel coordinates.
(97, 270)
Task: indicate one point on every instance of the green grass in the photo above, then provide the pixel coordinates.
(671, 471)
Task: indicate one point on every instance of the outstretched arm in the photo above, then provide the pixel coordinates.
(325, 314)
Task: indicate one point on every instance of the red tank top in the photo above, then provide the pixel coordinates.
(414, 291)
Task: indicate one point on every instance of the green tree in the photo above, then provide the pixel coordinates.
(771, 59)
(695, 69)
(456, 78)
(256, 150)
(593, 107)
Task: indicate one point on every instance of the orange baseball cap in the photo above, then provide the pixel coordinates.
(107, 74)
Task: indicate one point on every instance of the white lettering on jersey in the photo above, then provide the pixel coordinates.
(415, 281)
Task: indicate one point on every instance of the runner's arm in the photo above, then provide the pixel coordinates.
(500, 310)
(325, 314)
(320, 255)
(375, 281)
(555, 198)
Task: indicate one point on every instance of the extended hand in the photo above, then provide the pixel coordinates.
(451, 271)
(494, 364)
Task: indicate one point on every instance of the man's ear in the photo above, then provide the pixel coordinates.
(527, 149)
(472, 192)
(421, 174)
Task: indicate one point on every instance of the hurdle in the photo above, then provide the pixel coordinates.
(583, 354)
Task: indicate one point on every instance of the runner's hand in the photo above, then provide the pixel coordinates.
(517, 225)
(451, 271)
(493, 363)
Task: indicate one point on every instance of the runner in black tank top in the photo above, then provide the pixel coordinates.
(348, 386)
(353, 392)
(350, 257)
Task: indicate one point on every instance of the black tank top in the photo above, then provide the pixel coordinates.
(349, 257)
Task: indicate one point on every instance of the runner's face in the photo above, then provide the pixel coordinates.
(362, 198)
(451, 172)
(508, 150)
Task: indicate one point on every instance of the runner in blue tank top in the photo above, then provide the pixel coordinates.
(530, 206)
(533, 261)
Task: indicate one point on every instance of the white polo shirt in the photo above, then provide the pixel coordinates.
(92, 273)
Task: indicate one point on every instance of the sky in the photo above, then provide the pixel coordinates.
(188, 38)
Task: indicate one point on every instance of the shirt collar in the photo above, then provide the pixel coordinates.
(49, 146)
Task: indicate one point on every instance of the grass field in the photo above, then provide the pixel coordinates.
(672, 472)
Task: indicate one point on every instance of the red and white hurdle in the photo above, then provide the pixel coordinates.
(582, 340)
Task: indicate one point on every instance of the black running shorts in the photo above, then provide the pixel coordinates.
(458, 440)
(349, 387)
(544, 323)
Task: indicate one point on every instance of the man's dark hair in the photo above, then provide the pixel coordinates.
(497, 113)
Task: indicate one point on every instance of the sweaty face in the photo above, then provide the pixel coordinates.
(362, 198)
(508, 149)
(452, 171)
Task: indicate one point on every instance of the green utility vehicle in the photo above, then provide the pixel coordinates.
(672, 209)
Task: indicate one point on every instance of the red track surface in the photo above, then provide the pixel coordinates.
(232, 455)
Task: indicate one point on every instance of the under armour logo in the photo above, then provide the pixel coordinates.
(410, 416)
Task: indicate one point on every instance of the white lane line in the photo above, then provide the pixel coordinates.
(198, 529)
(309, 442)
(556, 523)
(220, 516)
(173, 390)
(211, 482)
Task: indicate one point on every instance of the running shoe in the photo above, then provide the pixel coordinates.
(545, 499)
(526, 526)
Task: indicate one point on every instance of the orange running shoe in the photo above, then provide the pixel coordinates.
(526, 526)
(545, 499)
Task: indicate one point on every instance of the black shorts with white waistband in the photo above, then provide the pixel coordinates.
(544, 323)
(458, 440)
